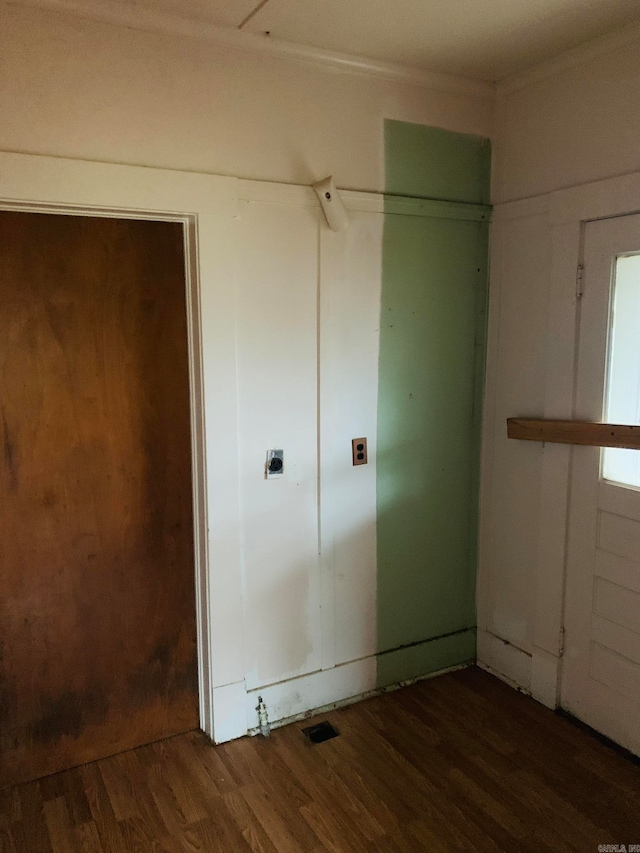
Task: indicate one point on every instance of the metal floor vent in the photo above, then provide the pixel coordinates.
(320, 732)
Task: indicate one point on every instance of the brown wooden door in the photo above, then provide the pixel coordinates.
(97, 608)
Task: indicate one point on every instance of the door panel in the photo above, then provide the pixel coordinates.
(601, 673)
(617, 604)
(97, 612)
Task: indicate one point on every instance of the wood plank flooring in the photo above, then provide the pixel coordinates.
(457, 763)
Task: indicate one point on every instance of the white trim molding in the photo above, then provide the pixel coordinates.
(206, 206)
(322, 691)
(503, 659)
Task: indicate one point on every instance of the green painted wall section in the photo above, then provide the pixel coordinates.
(434, 163)
(432, 348)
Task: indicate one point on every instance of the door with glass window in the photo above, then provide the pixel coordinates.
(601, 665)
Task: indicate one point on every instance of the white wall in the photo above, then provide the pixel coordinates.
(84, 89)
(559, 127)
(307, 332)
(561, 130)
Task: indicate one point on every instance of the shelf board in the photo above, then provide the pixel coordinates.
(574, 432)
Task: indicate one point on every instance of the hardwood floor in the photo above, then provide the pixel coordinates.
(457, 763)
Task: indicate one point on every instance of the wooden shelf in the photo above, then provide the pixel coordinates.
(574, 432)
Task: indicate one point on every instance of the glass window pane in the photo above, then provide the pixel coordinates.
(623, 380)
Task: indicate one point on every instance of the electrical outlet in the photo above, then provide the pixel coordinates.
(275, 464)
(359, 451)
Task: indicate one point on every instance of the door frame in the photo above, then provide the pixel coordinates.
(538, 668)
(604, 240)
(206, 206)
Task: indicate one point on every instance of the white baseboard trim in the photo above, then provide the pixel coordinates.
(298, 696)
(229, 715)
(319, 692)
(324, 691)
(504, 660)
(545, 677)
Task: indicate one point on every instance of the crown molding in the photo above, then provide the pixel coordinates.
(149, 20)
(570, 59)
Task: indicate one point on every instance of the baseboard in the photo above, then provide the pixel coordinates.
(545, 677)
(350, 682)
(504, 660)
(435, 655)
(298, 696)
(351, 700)
(229, 713)
(325, 690)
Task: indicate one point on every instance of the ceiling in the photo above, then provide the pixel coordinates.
(482, 39)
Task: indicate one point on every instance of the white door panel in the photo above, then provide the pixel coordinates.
(618, 570)
(624, 502)
(613, 636)
(601, 672)
(617, 604)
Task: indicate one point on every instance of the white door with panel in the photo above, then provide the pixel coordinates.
(601, 668)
